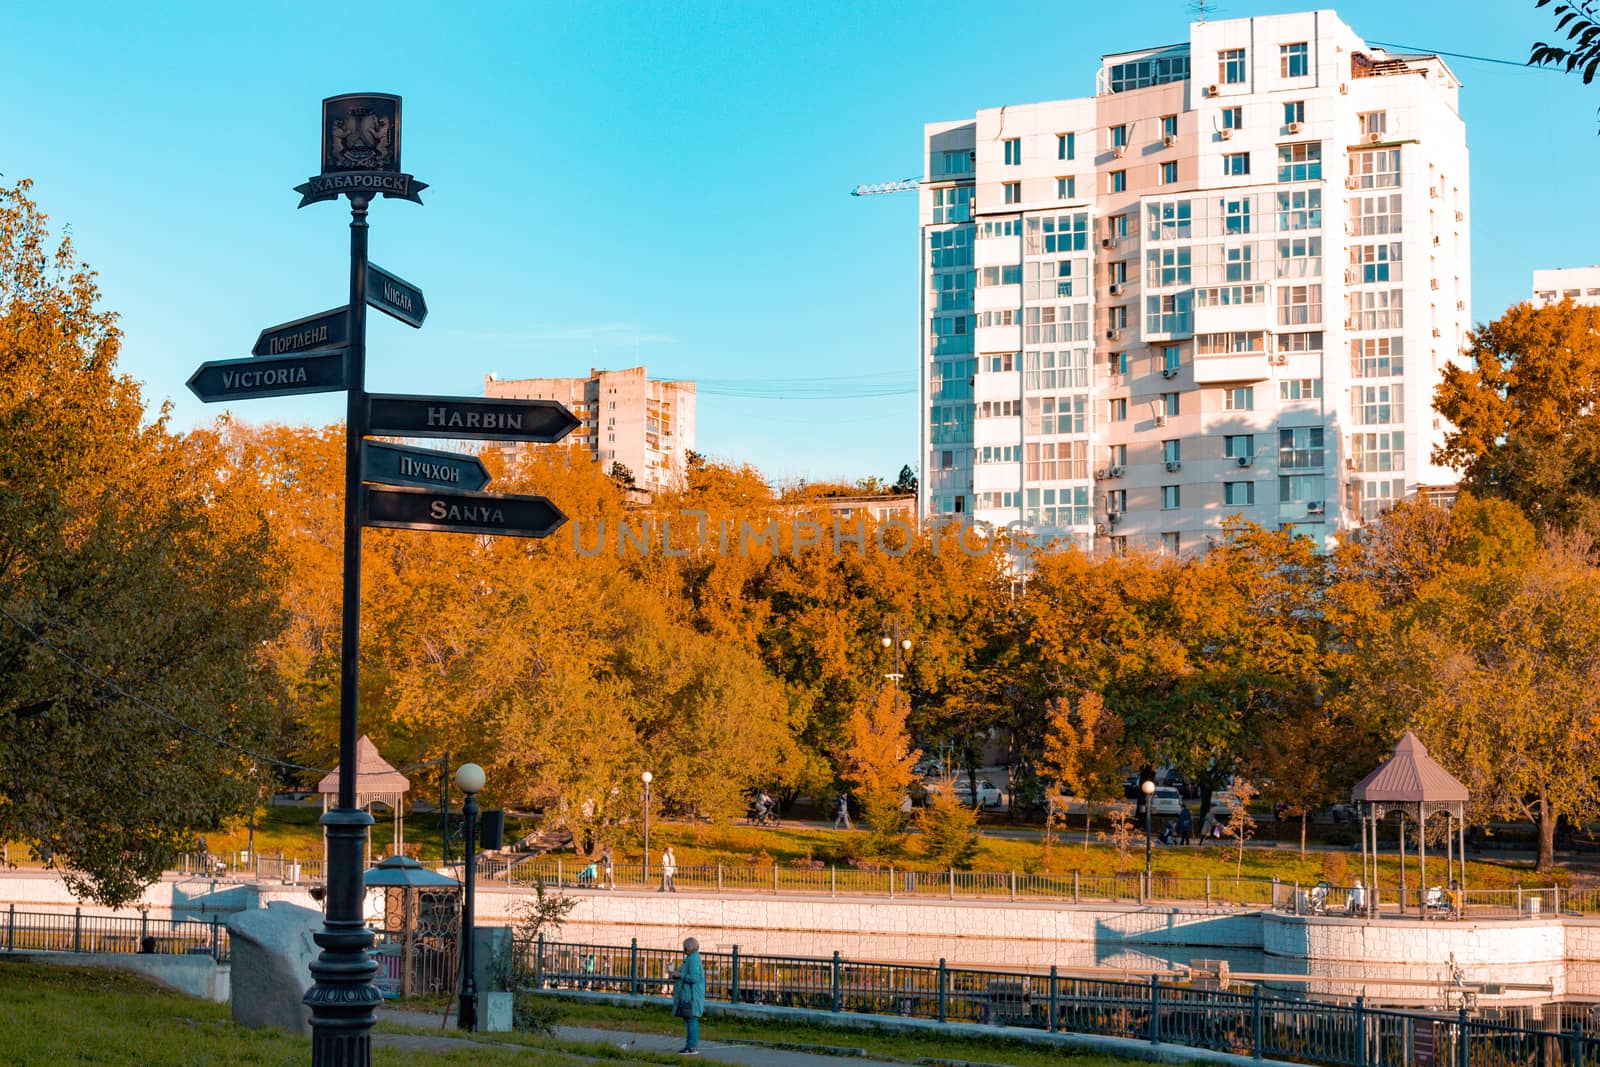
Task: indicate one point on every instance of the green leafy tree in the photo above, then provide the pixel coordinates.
(138, 582)
(1580, 22)
(949, 827)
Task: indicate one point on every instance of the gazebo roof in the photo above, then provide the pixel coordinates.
(1410, 776)
(375, 776)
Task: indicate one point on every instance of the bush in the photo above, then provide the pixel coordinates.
(533, 1014)
(949, 830)
(1335, 866)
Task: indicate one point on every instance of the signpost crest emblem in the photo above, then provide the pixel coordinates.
(360, 151)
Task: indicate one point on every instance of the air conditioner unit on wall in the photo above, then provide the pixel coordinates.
(1106, 242)
(1244, 461)
(1169, 139)
(1161, 420)
(1116, 472)
(1119, 150)
(1100, 475)
(1316, 507)
(1278, 359)
(1352, 182)
(1211, 90)
(1169, 372)
(1374, 138)
(1294, 127)
(1225, 133)
(1116, 288)
(1113, 335)
(1174, 465)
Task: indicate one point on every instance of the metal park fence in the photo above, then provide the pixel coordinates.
(62, 931)
(1251, 1023)
(1074, 887)
(290, 870)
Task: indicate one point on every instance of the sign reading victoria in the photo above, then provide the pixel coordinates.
(360, 151)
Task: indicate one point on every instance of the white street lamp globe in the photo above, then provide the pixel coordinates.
(906, 644)
(887, 641)
(470, 778)
(1147, 787)
(647, 777)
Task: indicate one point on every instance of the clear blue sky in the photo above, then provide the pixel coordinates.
(614, 184)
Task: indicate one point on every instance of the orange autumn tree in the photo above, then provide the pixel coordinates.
(877, 760)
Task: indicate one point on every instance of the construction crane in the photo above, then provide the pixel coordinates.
(904, 185)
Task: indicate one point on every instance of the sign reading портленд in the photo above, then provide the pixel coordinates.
(327, 329)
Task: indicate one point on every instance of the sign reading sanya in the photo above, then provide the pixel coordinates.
(479, 418)
(395, 297)
(426, 467)
(242, 379)
(447, 511)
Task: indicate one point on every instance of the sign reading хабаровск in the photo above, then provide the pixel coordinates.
(360, 151)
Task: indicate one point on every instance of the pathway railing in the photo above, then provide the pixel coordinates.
(1250, 1023)
(1075, 886)
(75, 931)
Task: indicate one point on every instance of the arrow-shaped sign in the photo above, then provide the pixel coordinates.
(395, 296)
(425, 467)
(330, 329)
(541, 421)
(447, 511)
(242, 379)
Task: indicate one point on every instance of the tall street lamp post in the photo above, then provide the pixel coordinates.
(892, 639)
(646, 778)
(469, 778)
(1148, 788)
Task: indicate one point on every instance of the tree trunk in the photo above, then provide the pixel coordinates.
(1088, 821)
(1304, 816)
(1547, 838)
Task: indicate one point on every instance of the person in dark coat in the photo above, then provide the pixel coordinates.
(1185, 824)
(689, 995)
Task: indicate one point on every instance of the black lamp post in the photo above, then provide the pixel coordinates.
(1148, 788)
(469, 778)
(892, 639)
(646, 778)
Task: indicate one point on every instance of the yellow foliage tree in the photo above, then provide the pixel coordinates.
(877, 759)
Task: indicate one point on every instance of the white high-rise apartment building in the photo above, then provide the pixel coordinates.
(625, 416)
(1581, 284)
(1227, 283)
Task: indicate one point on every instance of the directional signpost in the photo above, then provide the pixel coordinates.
(395, 296)
(451, 512)
(246, 379)
(544, 421)
(331, 329)
(425, 467)
(387, 485)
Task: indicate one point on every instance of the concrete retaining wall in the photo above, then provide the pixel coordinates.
(198, 976)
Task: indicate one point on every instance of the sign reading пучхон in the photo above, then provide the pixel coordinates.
(360, 151)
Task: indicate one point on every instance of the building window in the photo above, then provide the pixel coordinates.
(1239, 446)
(1009, 274)
(1169, 173)
(1376, 309)
(1054, 279)
(1119, 458)
(1169, 267)
(1373, 122)
(1051, 415)
(1169, 544)
(1377, 357)
(1057, 461)
(952, 204)
(1238, 263)
(1119, 136)
(1242, 398)
(1300, 257)
(1168, 313)
(1294, 60)
(1119, 363)
(1299, 343)
(1066, 145)
(1171, 358)
(1118, 226)
(1117, 409)
(1300, 162)
(1375, 263)
(1172, 451)
(1379, 452)
(1066, 188)
(1377, 168)
(1300, 209)
(1169, 404)
(1169, 125)
(1299, 305)
(1169, 497)
(1117, 500)
(1374, 405)
(1230, 66)
(1013, 151)
(1300, 488)
(1235, 164)
(1239, 494)
(1236, 215)
(1294, 111)
(1013, 192)
(1375, 215)
(1300, 389)
(1233, 118)
(1067, 506)
(1300, 448)
(1119, 181)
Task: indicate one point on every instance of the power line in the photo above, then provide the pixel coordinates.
(1461, 55)
(111, 686)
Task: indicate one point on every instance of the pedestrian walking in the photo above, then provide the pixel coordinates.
(1185, 824)
(689, 995)
(608, 870)
(1208, 826)
(841, 814)
(669, 867)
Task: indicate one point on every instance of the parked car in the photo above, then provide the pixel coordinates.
(1166, 801)
(1223, 804)
(989, 794)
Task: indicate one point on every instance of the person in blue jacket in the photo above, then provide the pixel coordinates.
(689, 995)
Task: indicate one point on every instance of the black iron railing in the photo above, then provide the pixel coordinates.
(75, 931)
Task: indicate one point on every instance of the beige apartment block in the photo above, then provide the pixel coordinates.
(1579, 284)
(1225, 284)
(643, 423)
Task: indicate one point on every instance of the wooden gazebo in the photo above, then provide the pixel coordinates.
(1410, 781)
(376, 780)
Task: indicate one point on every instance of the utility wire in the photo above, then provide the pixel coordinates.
(1462, 55)
(113, 687)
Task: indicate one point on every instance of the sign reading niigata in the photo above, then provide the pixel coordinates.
(447, 511)
(479, 418)
(394, 296)
(242, 379)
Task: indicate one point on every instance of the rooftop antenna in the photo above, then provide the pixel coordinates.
(1200, 8)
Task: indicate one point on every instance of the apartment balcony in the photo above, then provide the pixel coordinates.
(1231, 367)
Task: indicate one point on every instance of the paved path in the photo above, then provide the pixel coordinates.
(743, 1054)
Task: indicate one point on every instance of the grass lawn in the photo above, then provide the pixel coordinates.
(911, 1048)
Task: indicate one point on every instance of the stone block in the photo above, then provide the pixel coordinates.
(495, 1012)
(272, 952)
